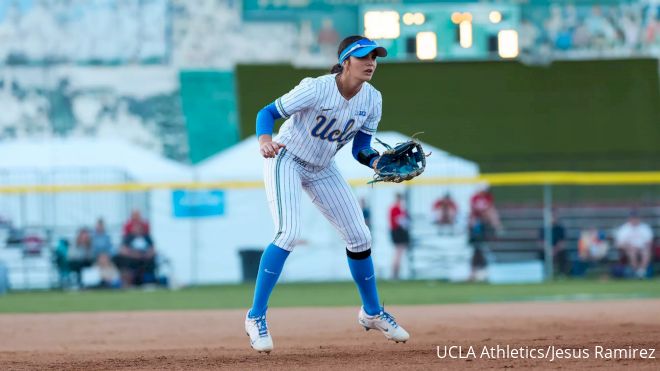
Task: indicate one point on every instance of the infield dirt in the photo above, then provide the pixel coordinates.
(330, 338)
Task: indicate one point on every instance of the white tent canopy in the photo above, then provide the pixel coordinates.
(247, 221)
(53, 154)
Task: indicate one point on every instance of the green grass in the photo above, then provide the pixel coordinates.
(322, 294)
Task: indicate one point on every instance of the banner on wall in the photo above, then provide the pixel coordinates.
(195, 204)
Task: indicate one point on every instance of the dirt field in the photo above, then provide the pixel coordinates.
(331, 339)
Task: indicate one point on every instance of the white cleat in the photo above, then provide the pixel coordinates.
(384, 322)
(257, 330)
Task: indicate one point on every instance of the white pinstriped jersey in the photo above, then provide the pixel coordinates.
(320, 121)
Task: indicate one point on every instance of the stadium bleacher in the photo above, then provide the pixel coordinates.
(522, 223)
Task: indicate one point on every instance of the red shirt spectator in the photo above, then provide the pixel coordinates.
(481, 202)
(398, 217)
(136, 218)
(399, 232)
(445, 210)
(482, 209)
(328, 36)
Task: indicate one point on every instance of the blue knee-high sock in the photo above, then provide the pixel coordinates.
(362, 270)
(270, 267)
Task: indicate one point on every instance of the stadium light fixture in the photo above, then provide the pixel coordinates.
(457, 18)
(382, 25)
(419, 19)
(408, 19)
(495, 16)
(507, 43)
(427, 45)
(465, 34)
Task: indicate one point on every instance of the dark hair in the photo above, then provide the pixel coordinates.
(337, 68)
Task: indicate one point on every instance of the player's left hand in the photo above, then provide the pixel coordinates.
(269, 149)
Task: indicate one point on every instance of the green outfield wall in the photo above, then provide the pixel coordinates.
(582, 115)
(209, 103)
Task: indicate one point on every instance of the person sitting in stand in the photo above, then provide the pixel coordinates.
(80, 255)
(101, 242)
(635, 239)
(136, 257)
(592, 250)
(136, 218)
(558, 242)
(110, 278)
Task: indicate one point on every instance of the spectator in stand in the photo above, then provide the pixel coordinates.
(328, 37)
(136, 257)
(631, 29)
(483, 212)
(80, 255)
(554, 24)
(581, 37)
(136, 218)
(557, 241)
(444, 211)
(110, 276)
(399, 224)
(592, 245)
(101, 242)
(635, 239)
(529, 35)
(601, 30)
(651, 31)
(571, 18)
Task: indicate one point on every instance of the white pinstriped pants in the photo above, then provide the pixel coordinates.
(285, 176)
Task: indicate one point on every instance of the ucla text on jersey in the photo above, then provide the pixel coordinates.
(322, 130)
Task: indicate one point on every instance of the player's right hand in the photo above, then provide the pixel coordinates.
(269, 149)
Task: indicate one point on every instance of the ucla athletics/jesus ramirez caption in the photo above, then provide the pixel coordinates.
(551, 353)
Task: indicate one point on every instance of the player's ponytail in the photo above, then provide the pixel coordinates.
(337, 68)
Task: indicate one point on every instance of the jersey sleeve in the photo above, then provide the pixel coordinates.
(299, 98)
(371, 123)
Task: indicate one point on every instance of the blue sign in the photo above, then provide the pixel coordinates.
(194, 204)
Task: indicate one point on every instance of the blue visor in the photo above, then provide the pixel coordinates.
(362, 48)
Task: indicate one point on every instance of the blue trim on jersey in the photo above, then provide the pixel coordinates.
(361, 141)
(266, 119)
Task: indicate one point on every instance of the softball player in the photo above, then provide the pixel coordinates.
(323, 114)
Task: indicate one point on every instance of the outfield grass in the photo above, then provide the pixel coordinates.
(321, 294)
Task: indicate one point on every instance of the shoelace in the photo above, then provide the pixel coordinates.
(389, 318)
(261, 325)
